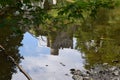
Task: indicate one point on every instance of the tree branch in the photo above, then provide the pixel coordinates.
(19, 67)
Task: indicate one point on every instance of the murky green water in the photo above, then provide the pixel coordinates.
(50, 54)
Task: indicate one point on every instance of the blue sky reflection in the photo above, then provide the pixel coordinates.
(42, 66)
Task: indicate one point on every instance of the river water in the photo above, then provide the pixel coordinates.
(41, 65)
(48, 53)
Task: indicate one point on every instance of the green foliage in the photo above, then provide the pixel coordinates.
(74, 10)
(59, 17)
(80, 7)
(7, 2)
(26, 1)
(11, 42)
(68, 12)
(103, 30)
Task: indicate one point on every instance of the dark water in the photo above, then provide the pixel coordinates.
(50, 54)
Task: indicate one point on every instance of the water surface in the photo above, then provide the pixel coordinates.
(41, 65)
(61, 48)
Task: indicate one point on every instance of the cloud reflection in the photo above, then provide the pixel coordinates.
(46, 66)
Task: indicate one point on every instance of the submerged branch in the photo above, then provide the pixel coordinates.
(19, 67)
(2, 47)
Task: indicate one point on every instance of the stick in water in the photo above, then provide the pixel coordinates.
(19, 67)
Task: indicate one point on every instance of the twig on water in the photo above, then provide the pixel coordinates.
(19, 67)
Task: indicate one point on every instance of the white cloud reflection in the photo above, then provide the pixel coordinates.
(45, 66)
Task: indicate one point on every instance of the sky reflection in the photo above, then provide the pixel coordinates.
(42, 66)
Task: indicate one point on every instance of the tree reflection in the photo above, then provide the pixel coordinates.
(99, 39)
(11, 42)
(60, 40)
(56, 39)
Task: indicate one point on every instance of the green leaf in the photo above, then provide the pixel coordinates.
(26, 1)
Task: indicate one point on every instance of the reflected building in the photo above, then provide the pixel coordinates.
(59, 40)
(55, 39)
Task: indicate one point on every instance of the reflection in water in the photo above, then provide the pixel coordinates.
(60, 38)
(42, 66)
(11, 43)
(99, 40)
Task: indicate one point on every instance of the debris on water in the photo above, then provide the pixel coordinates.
(46, 65)
(67, 74)
(62, 64)
(72, 69)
